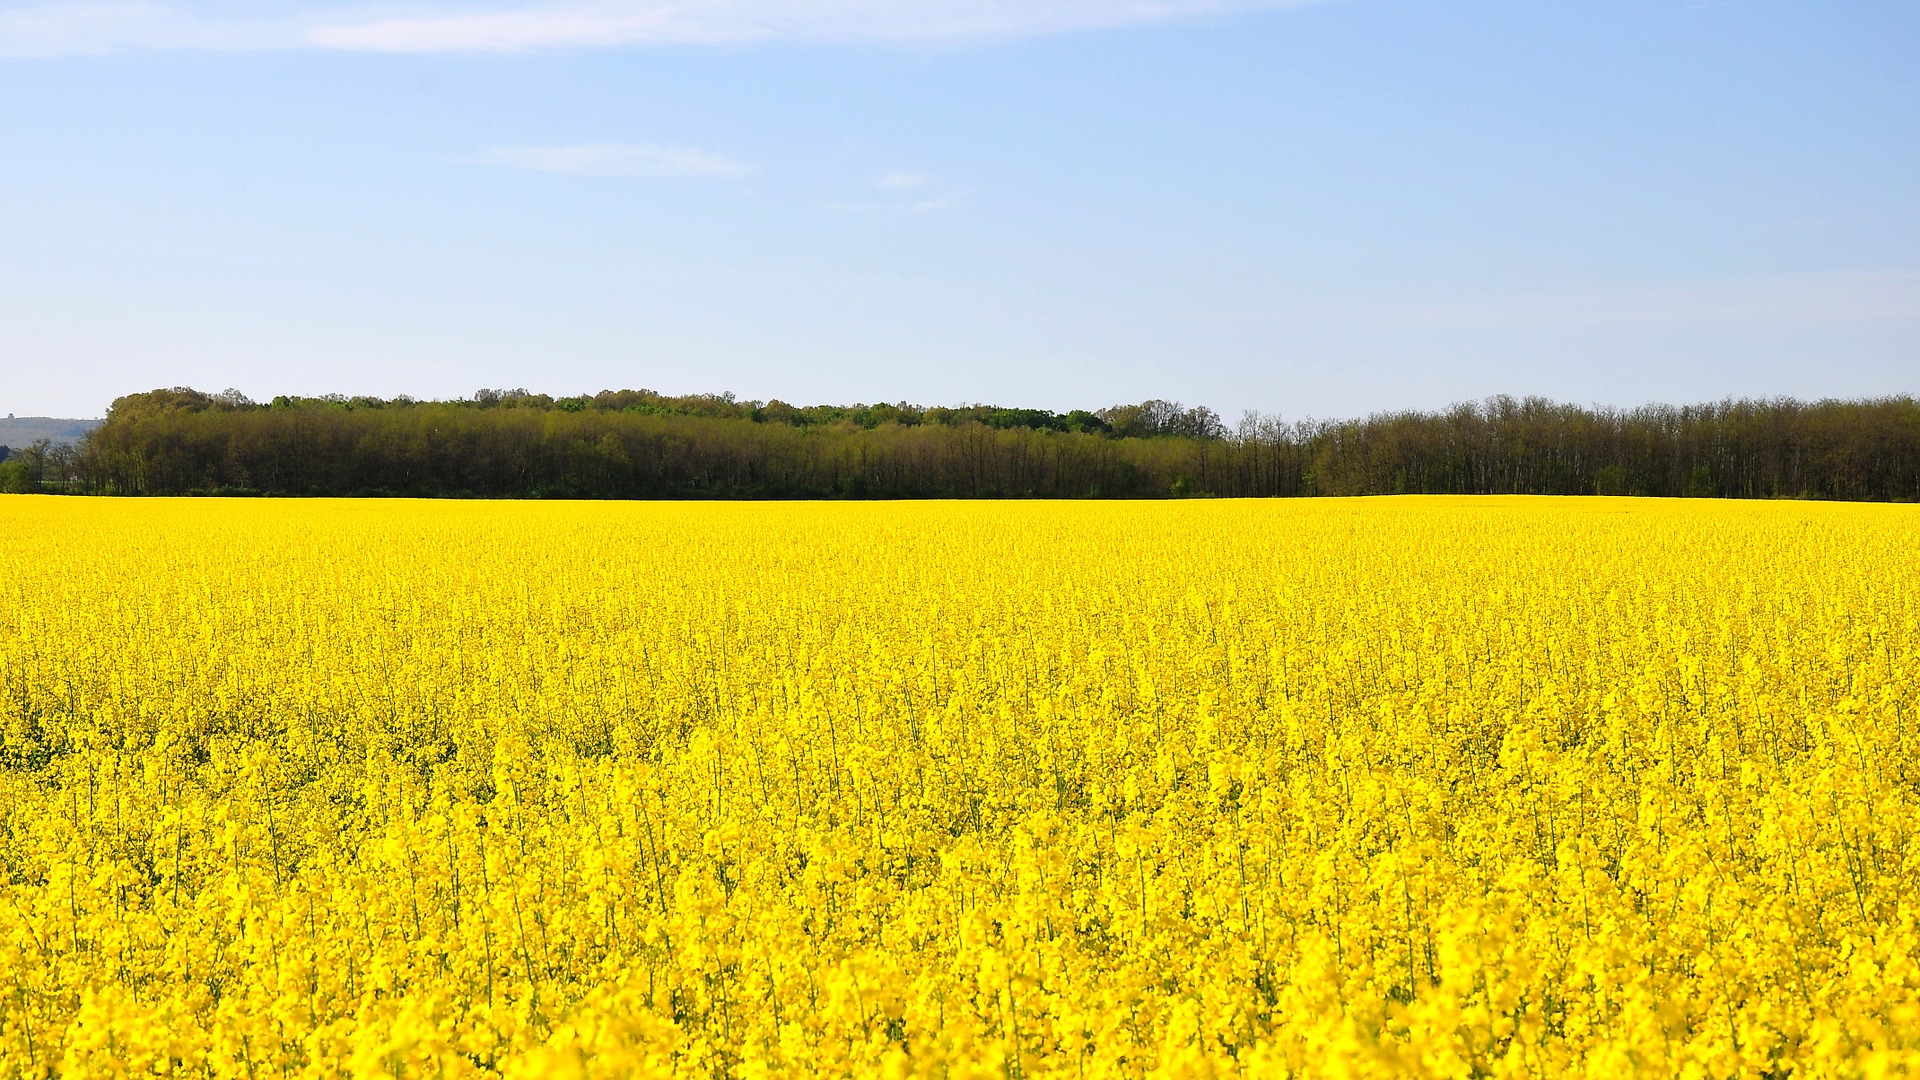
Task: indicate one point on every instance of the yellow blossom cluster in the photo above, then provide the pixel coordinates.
(1441, 787)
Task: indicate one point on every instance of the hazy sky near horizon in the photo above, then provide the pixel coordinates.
(1306, 208)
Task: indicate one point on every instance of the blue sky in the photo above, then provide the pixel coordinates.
(1311, 209)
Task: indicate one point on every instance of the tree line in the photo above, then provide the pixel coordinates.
(640, 444)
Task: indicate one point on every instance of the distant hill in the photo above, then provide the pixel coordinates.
(21, 431)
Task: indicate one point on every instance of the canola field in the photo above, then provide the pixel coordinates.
(1440, 787)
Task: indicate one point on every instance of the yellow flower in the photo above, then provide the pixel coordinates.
(1446, 787)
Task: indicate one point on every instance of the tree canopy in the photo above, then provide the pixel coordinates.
(642, 444)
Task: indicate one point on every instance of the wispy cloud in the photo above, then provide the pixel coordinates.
(903, 181)
(604, 23)
(58, 27)
(86, 27)
(944, 200)
(907, 191)
(1834, 298)
(612, 159)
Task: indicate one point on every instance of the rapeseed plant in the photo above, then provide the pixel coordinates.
(1447, 787)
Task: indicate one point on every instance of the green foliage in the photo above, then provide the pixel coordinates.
(14, 477)
(642, 444)
(28, 470)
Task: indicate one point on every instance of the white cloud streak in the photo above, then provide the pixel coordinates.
(91, 27)
(1800, 299)
(903, 181)
(921, 192)
(613, 159)
(66, 27)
